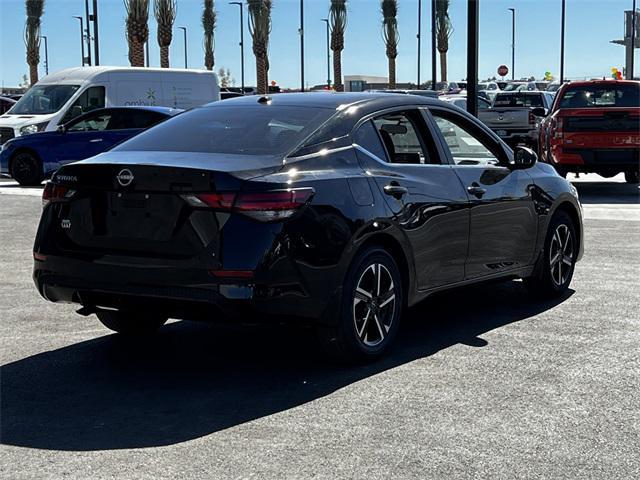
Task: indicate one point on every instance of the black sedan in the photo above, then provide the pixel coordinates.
(339, 210)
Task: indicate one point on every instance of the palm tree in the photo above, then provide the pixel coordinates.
(338, 18)
(35, 9)
(209, 25)
(165, 13)
(260, 28)
(443, 32)
(137, 29)
(390, 35)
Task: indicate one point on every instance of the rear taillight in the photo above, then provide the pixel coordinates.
(557, 126)
(263, 206)
(532, 118)
(55, 193)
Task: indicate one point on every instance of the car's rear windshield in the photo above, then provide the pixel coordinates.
(518, 100)
(601, 96)
(232, 129)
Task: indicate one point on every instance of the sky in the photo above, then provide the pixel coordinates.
(590, 25)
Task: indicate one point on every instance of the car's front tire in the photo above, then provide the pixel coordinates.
(26, 169)
(370, 309)
(554, 271)
(131, 322)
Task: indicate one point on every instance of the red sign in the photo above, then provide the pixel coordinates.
(503, 70)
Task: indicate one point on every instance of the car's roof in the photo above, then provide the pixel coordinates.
(587, 83)
(332, 100)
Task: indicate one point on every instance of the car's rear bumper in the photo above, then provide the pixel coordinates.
(618, 159)
(179, 293)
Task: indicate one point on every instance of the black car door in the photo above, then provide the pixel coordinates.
(503, 222)
(424, 195)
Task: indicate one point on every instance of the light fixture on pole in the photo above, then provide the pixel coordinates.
(88, 32)
(513, 43)
(46, 55)
(81, 37)
(326, 20)
(239, 4)
(184, 29)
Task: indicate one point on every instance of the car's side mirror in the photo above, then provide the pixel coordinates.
(523, 157)
(61, 129)
(539, 112)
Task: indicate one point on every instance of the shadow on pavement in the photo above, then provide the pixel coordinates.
(195, 379)
(607, 192)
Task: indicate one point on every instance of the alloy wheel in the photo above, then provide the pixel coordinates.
(561, 255)
(374, 305)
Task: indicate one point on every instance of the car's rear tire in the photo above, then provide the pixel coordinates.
(26, 169)
(632, 176)
(556, 265)
(370, 309)
(131, 322)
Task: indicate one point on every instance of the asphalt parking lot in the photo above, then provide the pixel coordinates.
(483, 382)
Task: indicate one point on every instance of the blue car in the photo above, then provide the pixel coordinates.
(30, 159)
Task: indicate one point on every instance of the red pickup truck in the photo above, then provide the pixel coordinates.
(594, 126)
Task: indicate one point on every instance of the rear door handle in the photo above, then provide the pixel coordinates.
(476, 190)
(95, 140)
(395, 190)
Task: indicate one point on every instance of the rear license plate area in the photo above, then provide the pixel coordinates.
(141, 215)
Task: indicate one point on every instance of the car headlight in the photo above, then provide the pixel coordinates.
(35, 128)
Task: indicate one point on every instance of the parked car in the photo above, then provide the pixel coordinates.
(520, 86)
(227, 94)
(515, 116)
(331, 209)
(5, 104)
(594, 126)
(460, 101)
(32, 158)
(490, 89)
(60, 97)
(420, 93)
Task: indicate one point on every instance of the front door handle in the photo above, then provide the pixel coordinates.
(95, 140)
(395, 190)
(476, 190)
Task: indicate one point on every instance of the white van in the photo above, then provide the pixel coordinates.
(62, 96)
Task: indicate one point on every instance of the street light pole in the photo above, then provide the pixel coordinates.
(562, 43)
(95, 33)
(513, 43)
(46, 55)
(633, 39)
(302, 45)
(473, 13)
(184, 29)
(88, 20)
(326, 20)
(433, 45)
(81, 37)
(239, 4)
(419, 39)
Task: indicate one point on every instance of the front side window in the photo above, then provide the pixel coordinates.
(466, 146)
(90, 99)
(91, 123)
(44, 99)
(399, 132)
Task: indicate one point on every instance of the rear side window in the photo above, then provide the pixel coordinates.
(401, 135)
(367, 137)
(615, 95)
(234, 130)
(518, 100)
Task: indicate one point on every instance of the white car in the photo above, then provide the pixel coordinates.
(62, 96)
